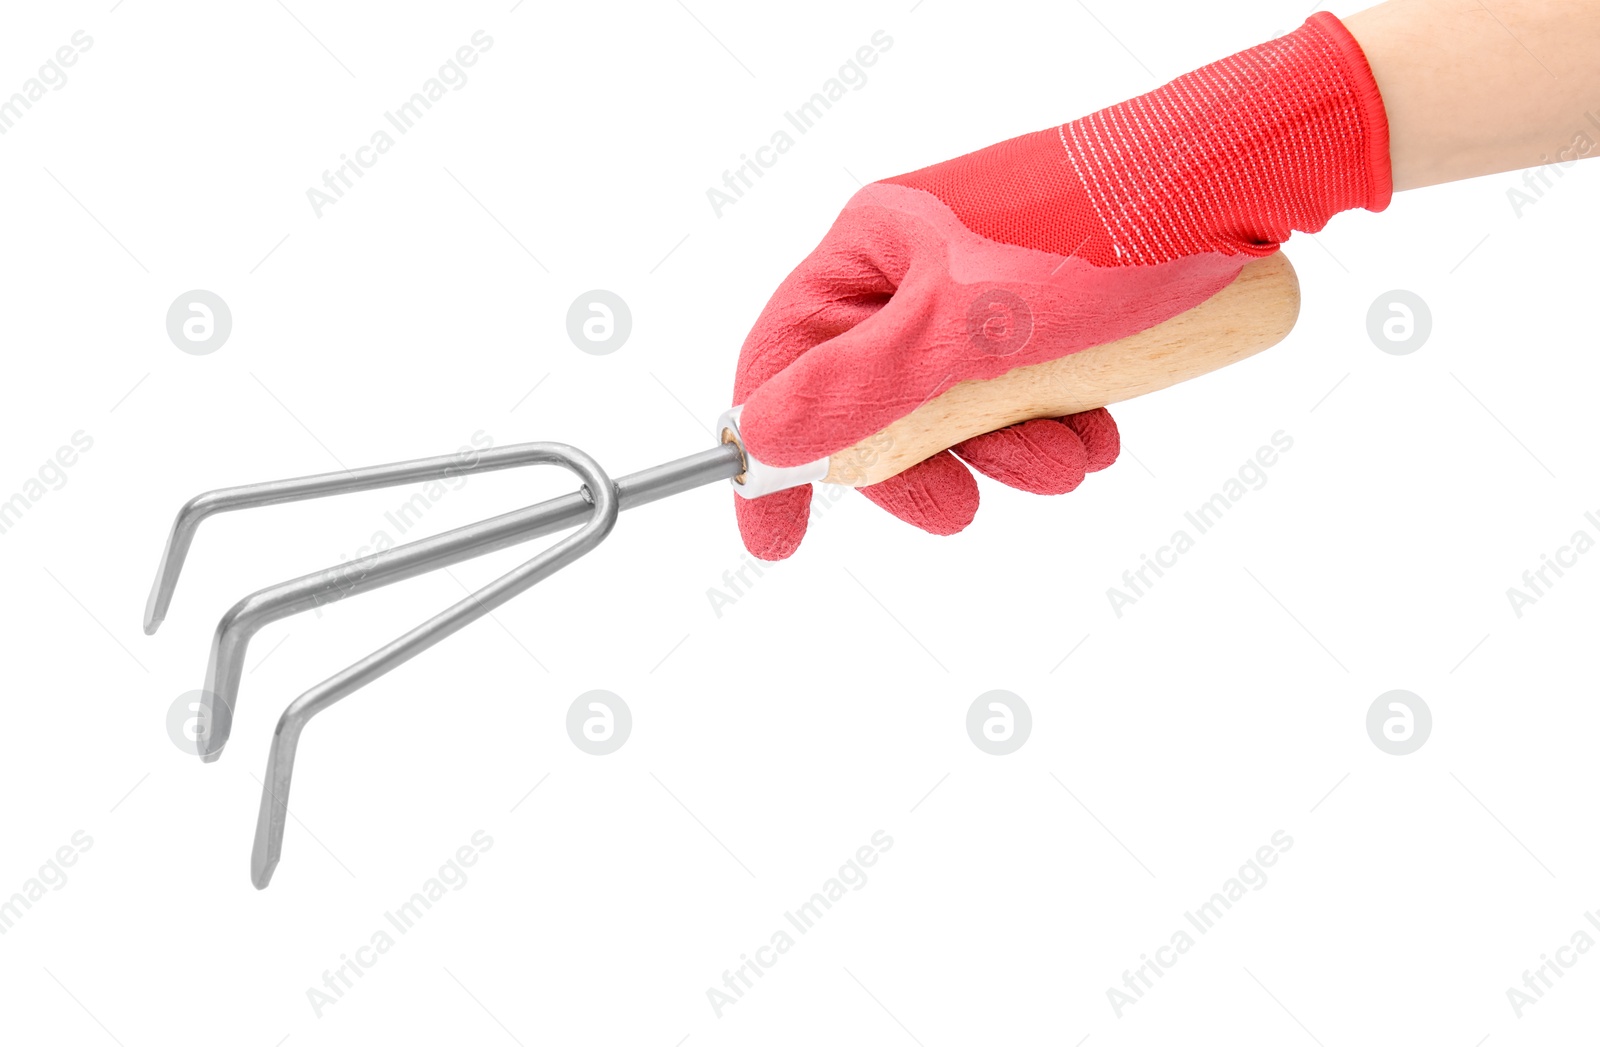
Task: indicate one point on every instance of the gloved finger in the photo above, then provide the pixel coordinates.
(832, 290)
(1098, 431)
(772, 526)
(850, 386)
(938, 495)
(1044, 456)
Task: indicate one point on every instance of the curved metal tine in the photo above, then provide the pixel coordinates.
(280, 762)
(299, 489)
(238, 627)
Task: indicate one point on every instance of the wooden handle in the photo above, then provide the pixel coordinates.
(1252, 313)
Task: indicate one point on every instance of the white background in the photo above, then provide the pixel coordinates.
(828, 702)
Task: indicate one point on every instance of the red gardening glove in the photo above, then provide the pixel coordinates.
(1041, 246)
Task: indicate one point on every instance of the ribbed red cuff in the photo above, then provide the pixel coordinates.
(1374, 119)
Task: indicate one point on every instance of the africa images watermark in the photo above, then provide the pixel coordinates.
(452, 76)
(1536, 581)
(852, 876)
(52, 874)
(736, 583)
(852, 76)
(1252, 876)
(51, 75)
(347, 574)
(1251, 476)
(1537, 179)
(1537, 981)
(452, 876)
(51, 476)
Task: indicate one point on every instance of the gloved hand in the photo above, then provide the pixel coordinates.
(1041, 246)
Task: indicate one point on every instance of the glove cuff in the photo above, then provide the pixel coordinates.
(1228, 159)
(1367, 103)
(1239, 153)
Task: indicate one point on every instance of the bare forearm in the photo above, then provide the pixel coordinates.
(1475, 88)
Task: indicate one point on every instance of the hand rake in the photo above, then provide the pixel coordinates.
(1252, 313)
